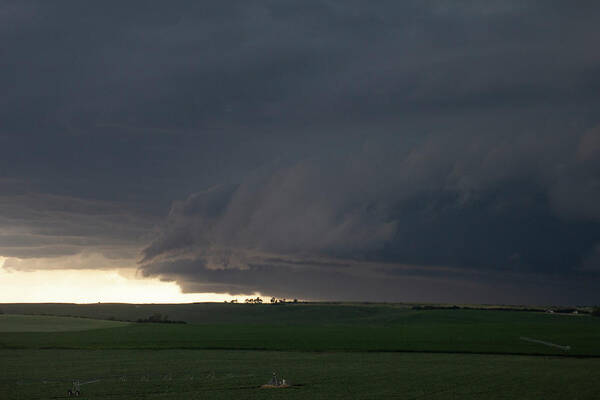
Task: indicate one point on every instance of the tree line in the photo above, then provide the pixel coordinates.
(258, 300)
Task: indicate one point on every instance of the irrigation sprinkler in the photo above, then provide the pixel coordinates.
(76, 388)
(558, 346)
(275, 382)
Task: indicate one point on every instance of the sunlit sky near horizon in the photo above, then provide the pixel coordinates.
(93, 286)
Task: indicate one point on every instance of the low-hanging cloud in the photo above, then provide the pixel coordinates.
(481, 206)
(321, 148)
(39, 231)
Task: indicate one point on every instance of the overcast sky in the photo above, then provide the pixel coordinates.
(352, 150)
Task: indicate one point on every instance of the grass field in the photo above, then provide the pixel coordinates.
(220, 374)
(307, 327)
(36, 323)
(328, 351)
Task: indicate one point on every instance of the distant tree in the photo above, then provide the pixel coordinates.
(295, 300)
(257, 300)
(596, 311)
(156, 317)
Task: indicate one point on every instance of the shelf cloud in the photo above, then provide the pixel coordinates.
(418, 150)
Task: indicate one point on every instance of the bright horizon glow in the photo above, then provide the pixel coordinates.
(93, 286)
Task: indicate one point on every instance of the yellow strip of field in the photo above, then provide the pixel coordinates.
(42, 323)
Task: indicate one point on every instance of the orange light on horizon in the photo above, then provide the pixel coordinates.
(93, 286)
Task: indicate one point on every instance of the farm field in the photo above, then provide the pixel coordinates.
(222, 374)
(36, 323)
(308, 327)
(326, 351)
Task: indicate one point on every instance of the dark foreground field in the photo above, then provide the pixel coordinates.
(325, 351)
(225, 374)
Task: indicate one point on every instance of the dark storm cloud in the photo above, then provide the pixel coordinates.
(50, 226)
(426, 209)
(319, 140)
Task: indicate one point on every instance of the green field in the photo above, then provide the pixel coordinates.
(326, 351)
(220, 374)
(36, 323)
